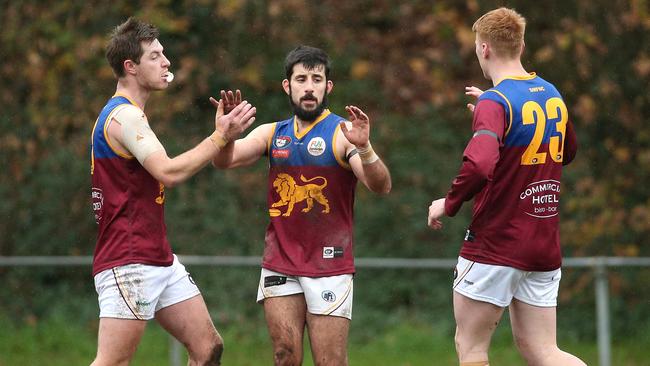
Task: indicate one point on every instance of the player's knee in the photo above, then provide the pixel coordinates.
(469, 347)
(533, 351)
(214, 357)
(461, 343)
(215, 351)
(119, 360)
(209, 353)
(286, 355)
(338, 359)
(523, 345)
(457, 343)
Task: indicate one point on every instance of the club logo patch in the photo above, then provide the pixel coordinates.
(316, 146)
(328, 296)
(282, 141)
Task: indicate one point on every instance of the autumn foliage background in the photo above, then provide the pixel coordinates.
(405, 63)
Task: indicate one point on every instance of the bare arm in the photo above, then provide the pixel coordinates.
(366, 165)
(245, 151)
(172, 171)
(374, 176)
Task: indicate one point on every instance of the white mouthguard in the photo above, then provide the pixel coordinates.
(169, 77)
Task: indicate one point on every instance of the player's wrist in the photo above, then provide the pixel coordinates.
(367, 154)
(447, 210)
(218, 139)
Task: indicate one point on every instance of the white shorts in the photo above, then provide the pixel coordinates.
(138, 291)
(323, 295)
(499, 284)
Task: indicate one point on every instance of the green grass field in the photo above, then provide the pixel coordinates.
(56, 342)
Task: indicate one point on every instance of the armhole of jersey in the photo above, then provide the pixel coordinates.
(509, 110)
(339, 160)
(268, 143)
(92, 148)
(108, 122)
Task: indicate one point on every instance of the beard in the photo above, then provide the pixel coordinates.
(305, 115)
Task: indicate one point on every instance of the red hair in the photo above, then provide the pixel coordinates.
(503, 29)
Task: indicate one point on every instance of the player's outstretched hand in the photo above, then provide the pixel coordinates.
(232, 124)
(474, 92)
(230, 100)
(359, 134)
(436, 211)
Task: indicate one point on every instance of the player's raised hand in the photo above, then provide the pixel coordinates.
(230, 100)
(474, 92)
(436, 211)
(359, 134)
(232, 124)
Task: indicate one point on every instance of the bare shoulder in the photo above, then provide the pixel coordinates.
(261, 132)
(342, 143)
(129, 113)
(342, 147)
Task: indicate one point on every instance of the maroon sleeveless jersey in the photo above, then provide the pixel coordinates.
(128, 204)
(311, 199)
(513, 168)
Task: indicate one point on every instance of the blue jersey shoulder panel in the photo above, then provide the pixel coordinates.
(100, 146)
(312, 147)
(525, 96)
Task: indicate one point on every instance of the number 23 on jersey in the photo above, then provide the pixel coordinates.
(554, 111)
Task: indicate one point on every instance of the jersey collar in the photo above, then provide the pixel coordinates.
(530, 76)
(128, 98)
(323, 115)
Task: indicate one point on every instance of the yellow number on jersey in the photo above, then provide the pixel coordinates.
(556, 146)
(532, 113)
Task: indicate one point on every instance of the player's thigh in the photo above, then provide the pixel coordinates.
(481, 293)
(328, 336)
(285, 318)
(181, 310)
(476, 321)
(284, 308)
(118, 340)
(533, 325)
(534, 307)
(190, 323)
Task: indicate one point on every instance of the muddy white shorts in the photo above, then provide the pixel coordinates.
(138, 291)
(324, 295)
(499, 284)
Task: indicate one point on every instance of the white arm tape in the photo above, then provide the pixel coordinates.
(137, 135)
(367, 155)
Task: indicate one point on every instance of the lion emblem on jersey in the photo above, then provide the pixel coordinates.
(291, 193)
